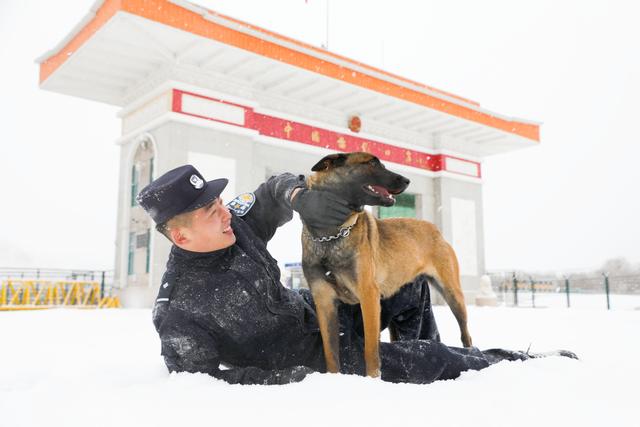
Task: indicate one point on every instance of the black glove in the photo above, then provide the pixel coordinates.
(320, 209)
(292, 375)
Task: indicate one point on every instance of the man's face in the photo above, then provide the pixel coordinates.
(210, 229)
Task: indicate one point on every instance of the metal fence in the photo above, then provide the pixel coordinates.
(104, 277)
(579, 291)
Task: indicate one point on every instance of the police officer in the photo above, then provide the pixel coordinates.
(221, 304)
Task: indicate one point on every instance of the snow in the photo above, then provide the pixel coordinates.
(102, 368)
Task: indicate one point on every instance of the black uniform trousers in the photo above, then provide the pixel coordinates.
(417, 356)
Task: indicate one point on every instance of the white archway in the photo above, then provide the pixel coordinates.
(139, 239)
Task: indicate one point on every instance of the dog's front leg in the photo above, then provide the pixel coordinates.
(368, 294)
(370, 306)
(324, 297)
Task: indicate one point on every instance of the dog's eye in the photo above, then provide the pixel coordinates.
(375, 162)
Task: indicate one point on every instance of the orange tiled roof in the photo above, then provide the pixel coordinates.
(186, 17)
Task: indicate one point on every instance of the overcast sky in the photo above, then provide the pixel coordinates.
(570, 203)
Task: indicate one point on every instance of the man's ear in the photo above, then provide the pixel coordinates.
(330, 161)
(177, 236)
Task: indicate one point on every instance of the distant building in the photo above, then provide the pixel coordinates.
(242, 102)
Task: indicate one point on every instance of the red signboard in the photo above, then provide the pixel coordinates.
(290, 130)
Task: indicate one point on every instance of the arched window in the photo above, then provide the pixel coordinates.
(131, 254)
(148, 247)
(134, 184)
(139, 244)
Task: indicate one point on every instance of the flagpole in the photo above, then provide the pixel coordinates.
(326, 44)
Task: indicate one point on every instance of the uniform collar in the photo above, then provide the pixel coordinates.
(185, 255)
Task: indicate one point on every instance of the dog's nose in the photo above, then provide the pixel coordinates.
(405, 181)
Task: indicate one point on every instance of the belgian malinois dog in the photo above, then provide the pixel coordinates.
(367, 258)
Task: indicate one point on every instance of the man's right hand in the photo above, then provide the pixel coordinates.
(320, 209)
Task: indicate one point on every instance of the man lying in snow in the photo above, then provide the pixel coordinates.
(221, 301)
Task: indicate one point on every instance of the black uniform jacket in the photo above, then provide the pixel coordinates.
(229, 308)
(225, 313)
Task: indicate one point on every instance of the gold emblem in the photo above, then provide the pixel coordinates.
(315, 136)
(364, 147)
(342, 144)
(387, 152)
(407, 156)
(288, 129)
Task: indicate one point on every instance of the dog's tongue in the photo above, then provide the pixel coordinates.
(381, 190)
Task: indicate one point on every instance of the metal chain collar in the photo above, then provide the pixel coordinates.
(344, 232)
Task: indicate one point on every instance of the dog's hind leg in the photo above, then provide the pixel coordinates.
(455, 299)
(324, 297)
(448, 277)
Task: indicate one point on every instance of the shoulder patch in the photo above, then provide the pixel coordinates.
(164, 294)
(242, 204)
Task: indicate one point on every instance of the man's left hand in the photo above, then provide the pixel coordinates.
(320, 209)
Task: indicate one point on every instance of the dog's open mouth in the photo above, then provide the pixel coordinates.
(380, 192)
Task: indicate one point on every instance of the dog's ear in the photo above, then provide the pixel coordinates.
(330, 161)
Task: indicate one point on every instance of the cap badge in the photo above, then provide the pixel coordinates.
(196, 181)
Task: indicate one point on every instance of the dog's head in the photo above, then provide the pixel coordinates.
(360, 178)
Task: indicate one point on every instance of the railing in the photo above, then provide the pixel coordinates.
(582, 291)
(57, 274)
(28, 289)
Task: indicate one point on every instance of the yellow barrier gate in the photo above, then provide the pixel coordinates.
(21, 294)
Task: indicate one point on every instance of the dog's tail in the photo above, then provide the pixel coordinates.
(435, 284)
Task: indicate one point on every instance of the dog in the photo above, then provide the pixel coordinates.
(368, 258)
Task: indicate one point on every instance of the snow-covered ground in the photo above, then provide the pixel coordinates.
(576, 300)
(102, 368)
